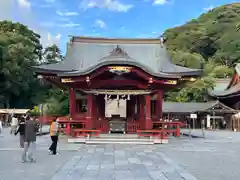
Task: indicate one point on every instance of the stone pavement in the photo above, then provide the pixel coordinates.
(118, 162)
(213, 134)
(207, 159)
(87, 162)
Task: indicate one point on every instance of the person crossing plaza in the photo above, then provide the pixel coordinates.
(54, 132)
(29, 141)
(21, 131)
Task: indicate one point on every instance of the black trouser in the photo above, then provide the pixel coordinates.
(53, 146)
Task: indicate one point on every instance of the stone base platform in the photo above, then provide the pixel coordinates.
(118, 139)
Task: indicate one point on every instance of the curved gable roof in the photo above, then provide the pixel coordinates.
(86, 54)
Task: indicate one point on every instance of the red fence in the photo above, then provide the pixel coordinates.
(132, 126)
(102, 125)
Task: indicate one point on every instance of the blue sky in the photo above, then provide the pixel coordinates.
(56, 19)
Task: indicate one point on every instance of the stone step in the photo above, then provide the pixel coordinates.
(121, 136)
(119, 142)
(118, 139)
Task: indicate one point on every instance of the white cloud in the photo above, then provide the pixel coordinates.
(160, 2)
(46, 4)
(67, 13)
(100, 23)
(68, 24)
(112, 5)
(24, 3)
(208, 8)
(52, 39)
(26, 17)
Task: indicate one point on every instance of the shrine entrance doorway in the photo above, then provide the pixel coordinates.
(116, 113)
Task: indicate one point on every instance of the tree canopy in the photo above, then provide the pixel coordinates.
(214, 35)
(52, 54)
(213, 38)
(20, 48)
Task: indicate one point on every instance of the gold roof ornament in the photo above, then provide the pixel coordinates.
(66, 80)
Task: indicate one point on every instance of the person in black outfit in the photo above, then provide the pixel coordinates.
(21, 131)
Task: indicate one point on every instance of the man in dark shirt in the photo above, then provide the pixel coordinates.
(21, 131)
(29, 140)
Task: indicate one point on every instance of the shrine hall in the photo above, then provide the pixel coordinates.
(116, 84)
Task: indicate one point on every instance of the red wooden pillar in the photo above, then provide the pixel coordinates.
(178, 131)
(72, 103)
(94, 112)
(89, 117)
(159, 104)
(141, 112)
(148, 120)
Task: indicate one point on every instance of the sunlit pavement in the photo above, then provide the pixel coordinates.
(205, 159)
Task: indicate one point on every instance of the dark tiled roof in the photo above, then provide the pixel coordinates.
(84, 55)
(191, 107)
(227, 92)
(219, 86)
(232, 91)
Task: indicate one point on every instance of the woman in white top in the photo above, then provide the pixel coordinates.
(14, 125)
(1, 126)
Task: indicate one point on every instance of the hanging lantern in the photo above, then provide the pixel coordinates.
(128, 97)
(87, 79)
(150, 80)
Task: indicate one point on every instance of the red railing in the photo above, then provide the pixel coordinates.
(102, 125)
(132, 126)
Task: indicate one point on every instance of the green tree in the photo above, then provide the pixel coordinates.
(58, 102)
(213, 35)
(191, 60)
(20, 49)
(214, 39)
(52, 54)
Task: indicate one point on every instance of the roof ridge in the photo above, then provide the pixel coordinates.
(86, 39)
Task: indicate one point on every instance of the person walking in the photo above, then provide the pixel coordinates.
(1, 126)
(29, 140)
(54, 131)
(21, 131)
(14, 124)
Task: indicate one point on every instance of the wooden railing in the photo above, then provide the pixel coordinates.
(102, 125)
(132, 126)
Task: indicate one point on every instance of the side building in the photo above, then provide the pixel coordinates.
(229, 91)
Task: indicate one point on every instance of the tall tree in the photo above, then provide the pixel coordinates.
(20, 49)
(52, 54)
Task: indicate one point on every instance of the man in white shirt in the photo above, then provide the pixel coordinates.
(1, 126)
(14, 125)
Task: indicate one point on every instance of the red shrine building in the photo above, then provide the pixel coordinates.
(120, 80)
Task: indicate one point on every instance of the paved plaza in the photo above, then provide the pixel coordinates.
(181, 159)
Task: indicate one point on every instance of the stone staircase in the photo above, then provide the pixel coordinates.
(117, 139)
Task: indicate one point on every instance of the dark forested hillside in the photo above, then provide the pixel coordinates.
(214, 35)
(214, 39)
